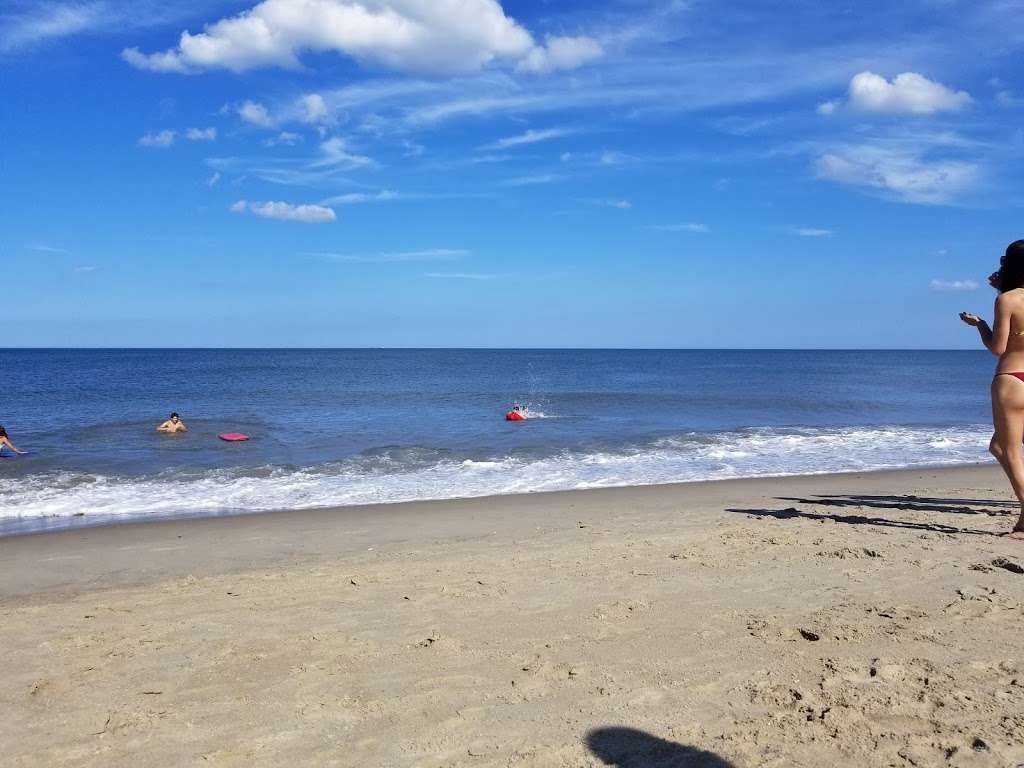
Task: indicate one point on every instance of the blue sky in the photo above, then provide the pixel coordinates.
(468, 173)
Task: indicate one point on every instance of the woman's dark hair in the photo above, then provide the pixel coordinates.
(1011, 267)
(3, 432)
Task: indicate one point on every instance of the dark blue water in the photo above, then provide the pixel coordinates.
(354, 426)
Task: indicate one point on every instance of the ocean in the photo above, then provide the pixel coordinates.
(340, 427)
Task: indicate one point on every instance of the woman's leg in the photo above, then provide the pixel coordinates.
(1008, 419)
(996, 449)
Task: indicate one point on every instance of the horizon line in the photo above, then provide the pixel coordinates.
(486, 349)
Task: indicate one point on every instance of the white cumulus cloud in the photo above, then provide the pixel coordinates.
(953, 285)
(417, 35)
(255, 113)
(201, 134)
(308, 214)
(561, 53)
(314, 108)
(160, 140)
(909, 93)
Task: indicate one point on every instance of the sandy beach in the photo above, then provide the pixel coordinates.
(843, 620)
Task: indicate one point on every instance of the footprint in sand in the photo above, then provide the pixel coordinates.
(852, 553)
(979, 602)
(816, 628)
(1008, 565)
(620, 610)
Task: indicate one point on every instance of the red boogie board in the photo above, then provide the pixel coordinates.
(233, 437)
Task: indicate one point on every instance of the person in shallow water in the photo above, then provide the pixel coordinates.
(1006, 339)
(5, 442)
(173, 424)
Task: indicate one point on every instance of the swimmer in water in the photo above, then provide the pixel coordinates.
(5, 442)
(172, 425)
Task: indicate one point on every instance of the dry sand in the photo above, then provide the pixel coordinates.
(844, 620)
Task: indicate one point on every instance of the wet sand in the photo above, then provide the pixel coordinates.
(842, 620)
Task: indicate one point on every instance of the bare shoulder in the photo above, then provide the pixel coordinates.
(1011, 299)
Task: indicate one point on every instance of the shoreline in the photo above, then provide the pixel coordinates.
(29, 526)
(370, 524)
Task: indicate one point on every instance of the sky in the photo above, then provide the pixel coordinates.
(435, 173)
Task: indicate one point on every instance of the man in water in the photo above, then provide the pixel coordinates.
(172, 425)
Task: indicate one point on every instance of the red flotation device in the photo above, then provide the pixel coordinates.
(233, 437)
(514, 416)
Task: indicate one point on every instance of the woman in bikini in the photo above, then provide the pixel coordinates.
(1006, 339)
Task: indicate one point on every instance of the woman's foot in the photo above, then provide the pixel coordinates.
(1016, 533)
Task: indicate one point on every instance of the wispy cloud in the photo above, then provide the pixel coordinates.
(160, 140)
(42, 248)
(737, 125)
(426, 254)
(620, 204)
(286, 172)
(284, 138)
(612, 157)
(86, 268)
(1008, 100)
(540, 178)
(687, 227)
(357, 198)
(48, 22)
(214, 179)
(43, 23)
(809, 232)
(953, 285)
(903, 171)
(307, 214)
(530, 136)
(334, 152)
(463, 275)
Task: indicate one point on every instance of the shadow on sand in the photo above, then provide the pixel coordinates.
(912, 503)
(792, 513)
(630, 748)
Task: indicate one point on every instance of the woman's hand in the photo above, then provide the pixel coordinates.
(995, 279)
(972, 320)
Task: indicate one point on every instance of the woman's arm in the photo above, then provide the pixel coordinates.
(994, 339)
(6, 441)
(997, 338)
